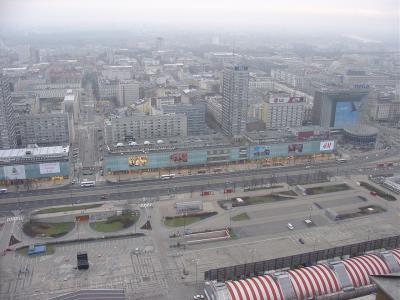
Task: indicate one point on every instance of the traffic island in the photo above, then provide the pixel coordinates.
(262, 199)
(68, 208)
(115, 223)
(377, 192)
(323, 189)
(241, 217)
(42, 229)
(354, 213)
(188, 219)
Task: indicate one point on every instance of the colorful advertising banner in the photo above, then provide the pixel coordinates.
(49, 168)
(295, 148)
(137, 161)
(327, 145)
(179, 157)
(14, 172)
(260, 150)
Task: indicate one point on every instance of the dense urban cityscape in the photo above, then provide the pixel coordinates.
(151, 162)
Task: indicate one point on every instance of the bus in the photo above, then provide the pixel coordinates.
(88, 183)
(167, 176)
(3, 191)
(341, 160)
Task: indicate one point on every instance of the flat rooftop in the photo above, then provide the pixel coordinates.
(10, 154)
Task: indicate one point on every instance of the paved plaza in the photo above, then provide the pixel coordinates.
(153, 267)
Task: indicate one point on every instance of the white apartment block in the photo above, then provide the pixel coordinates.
(117, 72)
(44, 129)
(128, 92)
(141, 126)
(261, 83)
(281, 112)
(287, 77)
(108, 89)
(386, 110)
(214, 108)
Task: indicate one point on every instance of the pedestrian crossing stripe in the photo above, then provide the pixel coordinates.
(18, 218)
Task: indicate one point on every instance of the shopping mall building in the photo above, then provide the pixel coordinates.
(20, 166)
(212, 152)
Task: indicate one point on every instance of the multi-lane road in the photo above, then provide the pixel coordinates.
(189, 184)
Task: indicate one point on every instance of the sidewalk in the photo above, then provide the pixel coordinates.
(38, 186)
(194, 171)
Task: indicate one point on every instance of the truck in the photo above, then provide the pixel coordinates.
(82, 260)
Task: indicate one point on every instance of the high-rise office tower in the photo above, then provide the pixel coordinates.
(128, 92)
(235, 90)
(338, 108)
(8, 139)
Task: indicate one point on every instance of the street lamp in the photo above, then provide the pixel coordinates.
(253, 252)
(230, 216)
(196, 261)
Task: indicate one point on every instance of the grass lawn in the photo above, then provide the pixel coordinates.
(256, 188)
(363, 211)
(265, 199)
(241, 217)
(225, 204)
(180, 221)
(379, 192)
(50, 249)
(116, 223)
(34, 229)
(327, 189)
(67, 208)
(186, 220)
(232, 234)
(288, 193)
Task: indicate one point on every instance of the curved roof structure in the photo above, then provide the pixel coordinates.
(313, 281)
(359, 268)
(361, 130)
(396, 253)
(256, 288)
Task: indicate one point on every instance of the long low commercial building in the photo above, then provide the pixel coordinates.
(342, 279)
(131, 159)
(32, 164)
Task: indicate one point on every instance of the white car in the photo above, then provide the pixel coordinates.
(290, 226)
(308, 221)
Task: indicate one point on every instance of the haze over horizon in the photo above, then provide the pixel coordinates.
(372, 19)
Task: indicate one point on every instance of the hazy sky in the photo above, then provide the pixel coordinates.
(341, 16)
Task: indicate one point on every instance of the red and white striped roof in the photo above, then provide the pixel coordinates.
(313, 281)
(359, 268)
(396, 253)
(255, 288)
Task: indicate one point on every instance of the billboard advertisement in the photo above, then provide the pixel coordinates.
(285, 99)
(49, 168)
(179, 157)
(260, 150)
(326, 145)
(137, 161)
(14, 172)
(347, 113)
(295, 148)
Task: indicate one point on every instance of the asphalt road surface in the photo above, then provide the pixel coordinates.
(188, 184)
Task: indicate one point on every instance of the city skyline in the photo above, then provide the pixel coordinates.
(371, 19)
(218, 150)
